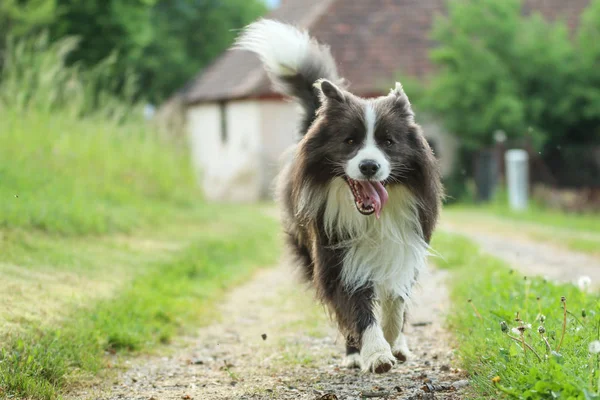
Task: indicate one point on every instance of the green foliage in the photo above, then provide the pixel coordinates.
(36, 77)
(500, 70)
(498, 294)
(202, 31)
(588, 81)
(163, 42)
(21, 18)
(161, 302)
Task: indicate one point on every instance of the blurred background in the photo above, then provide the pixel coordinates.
(484, 77)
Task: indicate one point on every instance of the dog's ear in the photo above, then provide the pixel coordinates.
(330, 91)
(401, 102)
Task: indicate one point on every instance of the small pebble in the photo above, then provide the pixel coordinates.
(461, 383)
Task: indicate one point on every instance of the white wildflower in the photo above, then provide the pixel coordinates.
(594, 347)
(521, 329)
(584, 282)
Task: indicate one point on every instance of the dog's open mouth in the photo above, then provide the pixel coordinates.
(369, 196)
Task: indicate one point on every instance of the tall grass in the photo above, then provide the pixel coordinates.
(76, 156)
(35, 76)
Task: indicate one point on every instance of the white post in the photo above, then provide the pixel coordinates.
(517, 178)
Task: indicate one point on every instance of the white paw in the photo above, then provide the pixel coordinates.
(402, 354)
(353, 361)
(379, 361)
(401, 350)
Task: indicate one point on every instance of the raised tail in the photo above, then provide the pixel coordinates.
(293, 60)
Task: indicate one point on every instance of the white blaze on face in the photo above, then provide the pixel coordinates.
(369, 151)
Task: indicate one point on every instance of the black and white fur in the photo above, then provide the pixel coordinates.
(362, 267)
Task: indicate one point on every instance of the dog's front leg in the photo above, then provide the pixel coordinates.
(393, 321)
(357, 312)
(375, 351)
(360, 314)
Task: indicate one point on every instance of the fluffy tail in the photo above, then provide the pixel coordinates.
(294, 61)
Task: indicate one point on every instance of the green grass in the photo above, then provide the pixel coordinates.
(574, 242)
(571, 231)
(166, 260)
(76, 156)
(148, 310)
(584, 245)
(551, 218)
(87, 176)
(105, 243)
(498, 294)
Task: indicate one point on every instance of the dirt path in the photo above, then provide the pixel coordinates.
(273, 342)
(530, 257)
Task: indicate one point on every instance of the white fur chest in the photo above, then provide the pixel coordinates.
(388, 252)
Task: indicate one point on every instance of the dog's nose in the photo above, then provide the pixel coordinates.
(368, 167)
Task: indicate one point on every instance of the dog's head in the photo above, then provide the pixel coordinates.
(371, 143)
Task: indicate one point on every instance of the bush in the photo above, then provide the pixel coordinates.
(498, 69)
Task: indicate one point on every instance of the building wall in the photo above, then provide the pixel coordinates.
(203, 130)
(446, 144)
(279, 130)
(228, 166)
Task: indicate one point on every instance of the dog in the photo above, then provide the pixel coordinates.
(360, 194)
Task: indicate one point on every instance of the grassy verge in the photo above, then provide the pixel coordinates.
(577, 222)
(148, 310)
(76, 158)
(87, 176)
(581, 244)
(574, 232)
(487, 292)
(105, 243)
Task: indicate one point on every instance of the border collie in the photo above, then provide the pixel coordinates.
(360, 194)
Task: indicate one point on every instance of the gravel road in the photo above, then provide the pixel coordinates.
(273, 342)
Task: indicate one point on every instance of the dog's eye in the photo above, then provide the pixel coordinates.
(349, 141)
(388, 142)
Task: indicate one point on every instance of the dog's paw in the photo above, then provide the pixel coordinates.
(353, 361)
(379, 362)
(401, 350)
(402, 354)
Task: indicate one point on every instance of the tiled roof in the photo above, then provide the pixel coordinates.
(372, 41)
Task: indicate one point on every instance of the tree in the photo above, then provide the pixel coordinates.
(24, 17)
(501, 70)
(189, 34)
(587, 89)
(165, 42)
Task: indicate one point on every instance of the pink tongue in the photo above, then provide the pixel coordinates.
(375, 195)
